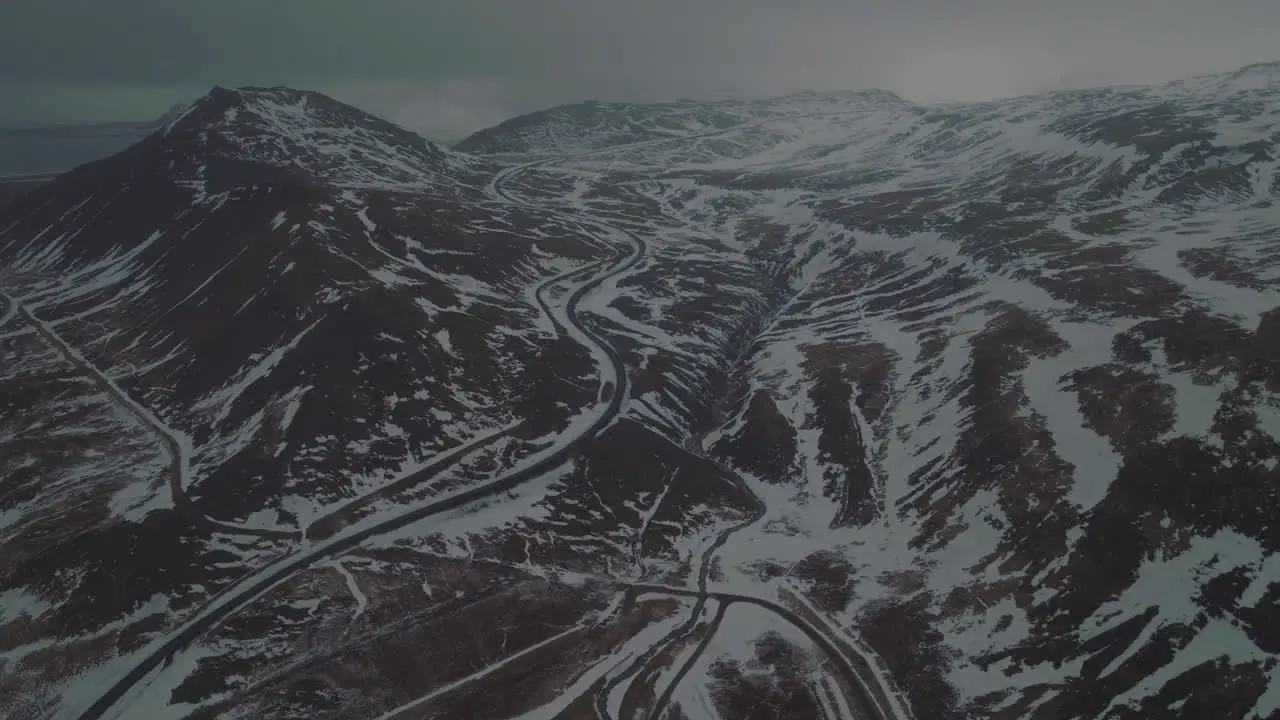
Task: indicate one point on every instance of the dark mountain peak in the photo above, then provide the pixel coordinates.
(230, 141)
(258, 109)
(206, 108)
(231, 136)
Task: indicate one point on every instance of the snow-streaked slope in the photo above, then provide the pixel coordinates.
(258, 318)
(1010, 387)
(595, 125)
(984, 396)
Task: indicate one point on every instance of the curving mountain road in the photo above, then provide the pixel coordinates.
(178, 461)
(239, 595)
(260, 582)
(701, 596)
(331, 523)
(660, 705)
(867, 707)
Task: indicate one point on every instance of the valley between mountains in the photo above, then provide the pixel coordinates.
(823, 406)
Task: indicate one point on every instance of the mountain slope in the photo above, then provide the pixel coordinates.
(594, 125)
(267, 310)
(1013, 381)
(825, 405)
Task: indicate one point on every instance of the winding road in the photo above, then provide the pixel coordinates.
(173, 448)
(863, 696)
(252, 587)
(333, 522)
(261, 581)
(866, 706)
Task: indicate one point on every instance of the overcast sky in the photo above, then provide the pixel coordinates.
(446, 67)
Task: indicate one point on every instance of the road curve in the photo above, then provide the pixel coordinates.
(176, 466)
(701, 595)
(333, 522)
(284, 569)
(232, 599)
(704, 571)
(601, 696)
(868, 706)
(661, 704)
(687, 627)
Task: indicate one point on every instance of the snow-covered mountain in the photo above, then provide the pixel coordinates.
(823, 406)
(594, 125)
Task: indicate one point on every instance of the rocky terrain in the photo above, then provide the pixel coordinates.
(826, 406)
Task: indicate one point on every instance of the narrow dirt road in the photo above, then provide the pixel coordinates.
(173, 447)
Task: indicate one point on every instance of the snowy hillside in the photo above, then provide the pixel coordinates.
(823, 406)
(595, 125)
(1013, 392)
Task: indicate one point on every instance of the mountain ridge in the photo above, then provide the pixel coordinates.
(981, 394)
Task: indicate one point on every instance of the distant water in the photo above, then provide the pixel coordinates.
(56, 149)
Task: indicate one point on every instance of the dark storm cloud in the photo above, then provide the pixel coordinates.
(451, 66)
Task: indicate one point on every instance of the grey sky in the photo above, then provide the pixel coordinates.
(450, 66)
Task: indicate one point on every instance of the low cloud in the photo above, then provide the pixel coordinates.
(449, 68)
